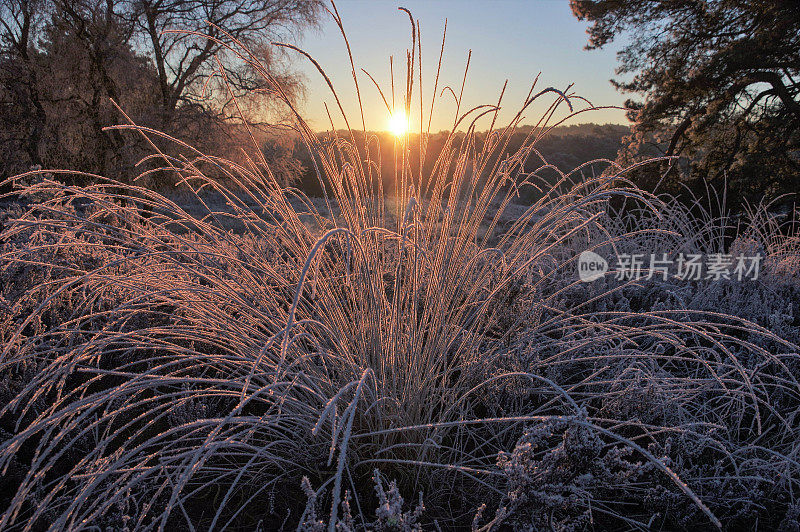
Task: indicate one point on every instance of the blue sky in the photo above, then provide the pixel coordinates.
(510, 39)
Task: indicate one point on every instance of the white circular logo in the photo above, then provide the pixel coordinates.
(591, 266)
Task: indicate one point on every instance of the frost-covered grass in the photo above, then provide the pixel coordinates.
(418, 359)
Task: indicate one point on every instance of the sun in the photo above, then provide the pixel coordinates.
(398, 124)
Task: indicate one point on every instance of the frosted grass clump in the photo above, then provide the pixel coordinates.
(164, 371)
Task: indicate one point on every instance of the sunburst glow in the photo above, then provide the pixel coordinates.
(398, 124)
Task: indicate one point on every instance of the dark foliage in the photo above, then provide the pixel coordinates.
(719, 82)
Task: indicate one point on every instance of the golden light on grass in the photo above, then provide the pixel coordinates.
(398, 124)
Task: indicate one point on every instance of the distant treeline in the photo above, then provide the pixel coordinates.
(565, 147)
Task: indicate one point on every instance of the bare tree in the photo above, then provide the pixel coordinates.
(20, 21)
(62, 61)
(169, 28)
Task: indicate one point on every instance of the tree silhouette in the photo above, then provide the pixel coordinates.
(719, 82)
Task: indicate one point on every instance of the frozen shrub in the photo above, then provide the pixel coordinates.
(389, 514)
(559, 470)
